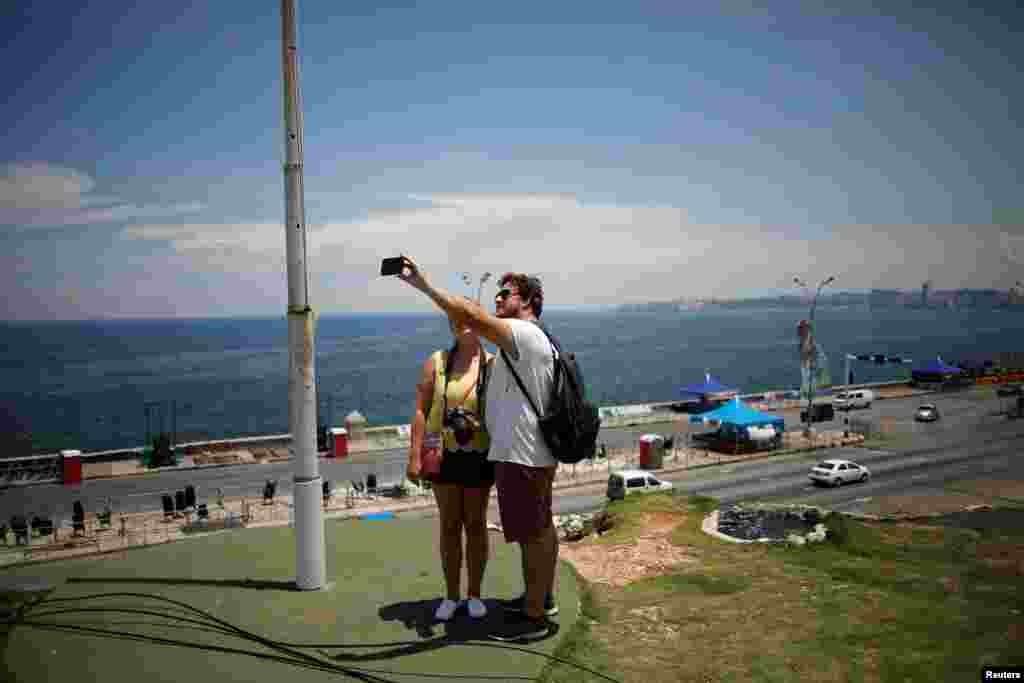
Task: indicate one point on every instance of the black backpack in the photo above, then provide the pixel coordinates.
(570, 428)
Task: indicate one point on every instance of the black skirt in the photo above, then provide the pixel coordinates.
(466, 468)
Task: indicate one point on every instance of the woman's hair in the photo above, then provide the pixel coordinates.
(455, 346)
(530, 289)
(451, 328)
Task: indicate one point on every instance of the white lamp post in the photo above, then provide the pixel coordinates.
(310, 561)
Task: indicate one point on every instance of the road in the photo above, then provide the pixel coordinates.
(968, 442)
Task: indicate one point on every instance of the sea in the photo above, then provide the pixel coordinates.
(108, 384)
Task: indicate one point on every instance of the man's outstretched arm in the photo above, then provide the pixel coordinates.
(463, 311)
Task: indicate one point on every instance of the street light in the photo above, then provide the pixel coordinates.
(813, 351)
(469, 282)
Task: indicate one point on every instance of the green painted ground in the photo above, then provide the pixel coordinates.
(387, 583)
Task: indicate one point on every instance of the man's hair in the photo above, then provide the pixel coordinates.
(530, 289)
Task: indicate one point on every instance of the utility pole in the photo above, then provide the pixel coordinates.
(310, 563)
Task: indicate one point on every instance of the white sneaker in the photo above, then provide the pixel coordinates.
(477, 609)
(445, 610)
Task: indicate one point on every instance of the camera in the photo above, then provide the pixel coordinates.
(462, 423)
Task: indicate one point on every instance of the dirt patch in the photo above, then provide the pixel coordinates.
(659, 523)
(663, 637)
(651, 554)
(1005, 559)
(111, 469)
(995, 488)
(796, 614)
(922, 504)
(978, 492)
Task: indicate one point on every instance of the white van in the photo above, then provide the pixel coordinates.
(622, 483)
(858, 398)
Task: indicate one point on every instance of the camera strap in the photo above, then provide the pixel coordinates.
(475, 385)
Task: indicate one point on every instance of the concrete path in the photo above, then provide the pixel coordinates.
(377, 615)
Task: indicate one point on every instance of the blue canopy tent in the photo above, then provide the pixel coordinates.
(738, 423)
(739, 414)
(935, 371)
(710, 387)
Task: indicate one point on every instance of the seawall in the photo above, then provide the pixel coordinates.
(48, 468)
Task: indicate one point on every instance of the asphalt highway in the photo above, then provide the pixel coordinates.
(970, 440)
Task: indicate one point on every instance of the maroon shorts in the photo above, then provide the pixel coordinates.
(524, 499)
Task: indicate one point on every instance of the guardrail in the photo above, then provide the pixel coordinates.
(779, 394)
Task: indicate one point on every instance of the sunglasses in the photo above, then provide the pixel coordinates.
(505, 293)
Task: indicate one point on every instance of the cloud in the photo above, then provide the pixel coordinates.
(37, 194)
(38, 185)
(586, 253)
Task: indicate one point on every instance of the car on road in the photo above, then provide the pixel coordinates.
(1009, 390)
(622, 483)
(927, 413)
(838, 472)
(847, 400)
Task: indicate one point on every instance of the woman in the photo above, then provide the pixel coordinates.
(449, 401)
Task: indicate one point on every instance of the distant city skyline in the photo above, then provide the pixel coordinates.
(621, 151)
(924, 297)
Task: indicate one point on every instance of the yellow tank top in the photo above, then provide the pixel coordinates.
(458, 385)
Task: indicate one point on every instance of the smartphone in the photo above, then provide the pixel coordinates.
(392, 266)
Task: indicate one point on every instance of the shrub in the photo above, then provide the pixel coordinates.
(836, 529)
(603, 521)
(812, 516)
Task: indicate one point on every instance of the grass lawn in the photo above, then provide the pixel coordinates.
(891, 602)
(898, 441)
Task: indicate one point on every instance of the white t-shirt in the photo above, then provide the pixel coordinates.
(515, 433)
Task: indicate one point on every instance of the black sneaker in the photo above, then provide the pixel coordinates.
(519, 605)
(525, 630)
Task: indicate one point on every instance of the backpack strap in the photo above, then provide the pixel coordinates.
(555, 352)
(521, 385)
(555, 346)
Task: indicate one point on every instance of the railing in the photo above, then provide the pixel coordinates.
(31, 469)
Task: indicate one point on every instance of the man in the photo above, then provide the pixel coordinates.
(524, 466)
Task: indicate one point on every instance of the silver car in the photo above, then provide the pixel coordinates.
(838, 472)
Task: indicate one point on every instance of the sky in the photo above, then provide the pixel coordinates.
(625, 152)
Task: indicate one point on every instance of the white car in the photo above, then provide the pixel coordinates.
(622, 483)
(838, 472)
(860, 398)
